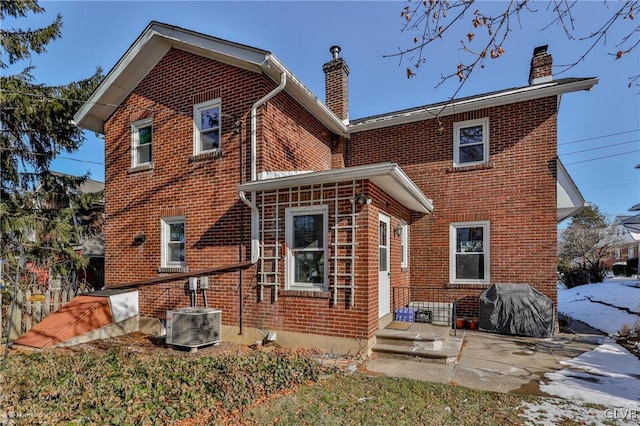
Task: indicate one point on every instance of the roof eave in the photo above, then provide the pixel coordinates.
(306, 97)
(388, 176)
(569, 200)
(475, 103)
(155, 42)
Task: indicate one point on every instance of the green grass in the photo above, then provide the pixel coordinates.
(376, 400)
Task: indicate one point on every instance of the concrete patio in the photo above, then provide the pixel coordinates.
(490, 361)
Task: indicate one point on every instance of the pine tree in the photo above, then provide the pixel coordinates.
(36, 125)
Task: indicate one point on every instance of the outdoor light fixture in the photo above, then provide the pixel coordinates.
(397, 231)
(140, 238)
(362, 199)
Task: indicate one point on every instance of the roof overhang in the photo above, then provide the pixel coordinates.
(157, 39)
(442, 109)
(388, 176)
(569, 199)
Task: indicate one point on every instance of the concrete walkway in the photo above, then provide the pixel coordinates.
(492, 362)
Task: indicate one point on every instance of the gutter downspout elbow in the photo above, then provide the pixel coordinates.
(255, 215)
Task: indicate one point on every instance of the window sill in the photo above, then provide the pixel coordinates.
(171, 270)
(474, 167)
(209, 155)
(468, 285)
(141, 168)
(314, 294)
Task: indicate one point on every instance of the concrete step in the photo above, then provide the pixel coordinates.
(448, 353)
(418, 339)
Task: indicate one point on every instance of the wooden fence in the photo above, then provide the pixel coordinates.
(32, 306)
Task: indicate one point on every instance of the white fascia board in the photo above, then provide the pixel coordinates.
(388, 176)
(156, 41)
(306, 97)
(144, 54)
(487, 101)
(569, 200)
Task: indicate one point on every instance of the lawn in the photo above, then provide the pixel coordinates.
(122, 383)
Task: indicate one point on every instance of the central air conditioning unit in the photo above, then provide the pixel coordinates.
(193, 327)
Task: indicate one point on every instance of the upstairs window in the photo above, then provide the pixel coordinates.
(469, 252)
(471, 142)
(207, 119)
(306, 237)
(173, 242)
(141, 141)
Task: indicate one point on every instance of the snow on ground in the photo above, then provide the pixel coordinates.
(590, 303)
(609, 375)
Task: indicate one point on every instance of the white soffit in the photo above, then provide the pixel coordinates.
(569, 199)
(157, 39)
(388, 176)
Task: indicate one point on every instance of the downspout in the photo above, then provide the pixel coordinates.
(255, 215)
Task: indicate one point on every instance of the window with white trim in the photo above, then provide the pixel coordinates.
(631, 253)
(306, 238)
(141, 142)
(173, 242)
(404, 245)
(207, 119)
(471, 142)
(469, 252)
(617, 254)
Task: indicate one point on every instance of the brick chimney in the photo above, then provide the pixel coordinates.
(540, 66)
(336, 72)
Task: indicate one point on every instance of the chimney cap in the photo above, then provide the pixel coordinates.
(335, 51)
(540, 50)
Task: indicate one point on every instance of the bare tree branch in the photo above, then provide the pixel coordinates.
(435, 19)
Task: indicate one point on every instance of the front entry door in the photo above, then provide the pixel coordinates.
(384, 280)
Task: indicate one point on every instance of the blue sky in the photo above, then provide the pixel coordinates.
(598, 131)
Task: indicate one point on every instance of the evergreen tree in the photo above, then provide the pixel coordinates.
(584, 245)
(37, 206)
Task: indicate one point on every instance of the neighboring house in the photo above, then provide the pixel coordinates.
(626, 233)
(222, 163)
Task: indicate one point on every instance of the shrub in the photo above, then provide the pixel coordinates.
(580, 275)
(619, 270)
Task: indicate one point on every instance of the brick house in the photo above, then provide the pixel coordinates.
(220, 163)
(625, 230)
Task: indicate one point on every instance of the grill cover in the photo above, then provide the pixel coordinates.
(517, 309)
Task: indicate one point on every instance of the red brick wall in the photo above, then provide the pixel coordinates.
(203, 189)
(516, 193)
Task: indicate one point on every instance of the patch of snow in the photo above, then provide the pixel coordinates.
(550, 412)
(580, 303)
(608, 375)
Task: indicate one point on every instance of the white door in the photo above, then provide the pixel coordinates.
(384, 281)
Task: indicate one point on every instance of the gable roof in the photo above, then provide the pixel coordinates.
(156, 40)
(470, 103)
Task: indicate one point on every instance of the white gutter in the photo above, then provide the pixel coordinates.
(388, 176)
(471, 104)
(255, 215)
